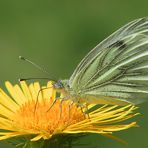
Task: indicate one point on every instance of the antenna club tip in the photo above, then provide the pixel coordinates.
(22, 58)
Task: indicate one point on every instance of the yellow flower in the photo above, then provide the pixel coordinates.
(27, 112)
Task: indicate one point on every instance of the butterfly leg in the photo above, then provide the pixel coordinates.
(54, 101)
(84, 109)
(70, 105)
(61, 103)
(87, 111)
(37, 99)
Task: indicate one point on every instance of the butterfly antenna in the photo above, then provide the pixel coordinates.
(34, 64)
(26, 79)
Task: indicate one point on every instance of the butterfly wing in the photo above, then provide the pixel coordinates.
(116, 70)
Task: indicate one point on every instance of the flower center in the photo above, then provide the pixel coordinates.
(39, 119)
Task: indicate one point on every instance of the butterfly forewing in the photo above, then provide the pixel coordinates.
(117, 68)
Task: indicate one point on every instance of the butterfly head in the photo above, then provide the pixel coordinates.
(61, 85)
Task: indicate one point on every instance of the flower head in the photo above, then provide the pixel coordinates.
(27, 112)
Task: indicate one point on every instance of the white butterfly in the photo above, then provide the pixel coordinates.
(115, 71)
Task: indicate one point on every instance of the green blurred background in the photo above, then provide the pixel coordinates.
(57, 35)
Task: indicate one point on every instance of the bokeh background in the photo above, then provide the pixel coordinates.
(56, 35)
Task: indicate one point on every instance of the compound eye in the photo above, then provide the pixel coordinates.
(58, 85)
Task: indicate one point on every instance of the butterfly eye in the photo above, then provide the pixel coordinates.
(58, 85)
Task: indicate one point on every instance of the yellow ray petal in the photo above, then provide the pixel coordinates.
(26, 91)
(6, 112)
(9, 135)
(36, 138)
(51, 91)
(38, 91)
(33, 92)
(20, 94)
(5, 100)
(13, 93)
(114, 128)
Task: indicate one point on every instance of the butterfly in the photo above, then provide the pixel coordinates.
(115, 71)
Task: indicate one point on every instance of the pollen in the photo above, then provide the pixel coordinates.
(38, 118)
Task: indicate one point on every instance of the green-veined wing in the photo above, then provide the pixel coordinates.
(116, 70)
